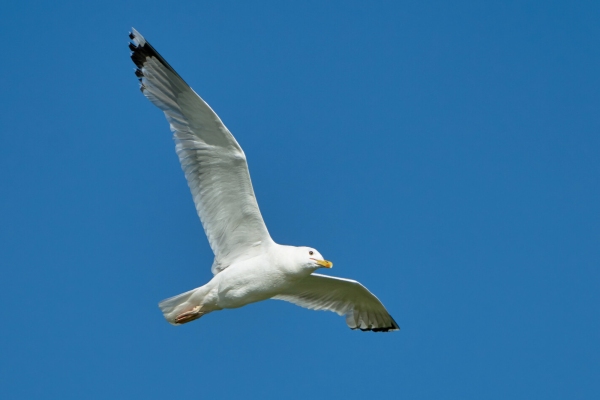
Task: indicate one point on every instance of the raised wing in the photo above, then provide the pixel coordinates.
(346, 297)
(214, 164)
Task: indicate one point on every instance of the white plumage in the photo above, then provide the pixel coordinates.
(248, 266)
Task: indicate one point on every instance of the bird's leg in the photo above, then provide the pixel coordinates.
(189, 316)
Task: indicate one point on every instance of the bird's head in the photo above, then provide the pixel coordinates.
(311, 258)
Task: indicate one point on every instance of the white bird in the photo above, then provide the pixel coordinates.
(248, 266)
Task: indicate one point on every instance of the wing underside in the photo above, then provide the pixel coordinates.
(346, 297)
(213, 162)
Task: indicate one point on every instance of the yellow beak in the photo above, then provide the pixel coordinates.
(324, 263)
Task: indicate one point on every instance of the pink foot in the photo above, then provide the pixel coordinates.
(189, 316)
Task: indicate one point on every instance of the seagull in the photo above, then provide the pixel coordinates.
(248, 265)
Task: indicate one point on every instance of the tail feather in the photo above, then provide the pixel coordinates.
(176, 305)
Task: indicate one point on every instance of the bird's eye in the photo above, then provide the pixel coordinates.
(311, 252)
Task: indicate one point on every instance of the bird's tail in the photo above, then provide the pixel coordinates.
(176, 305)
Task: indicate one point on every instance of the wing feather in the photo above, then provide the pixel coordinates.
(346, 297)
(214, 164)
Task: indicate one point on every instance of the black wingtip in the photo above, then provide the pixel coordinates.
(388, 329)
(144, 50)
(392, 328)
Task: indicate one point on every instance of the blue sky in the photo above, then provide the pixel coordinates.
(445, 154)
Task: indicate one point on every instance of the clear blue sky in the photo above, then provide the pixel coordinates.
(445, 154)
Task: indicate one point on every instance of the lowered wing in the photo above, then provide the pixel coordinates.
(346, 297)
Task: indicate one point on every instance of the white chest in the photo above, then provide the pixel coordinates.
(254, 280)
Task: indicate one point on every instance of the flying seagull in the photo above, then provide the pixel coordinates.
(248, 266)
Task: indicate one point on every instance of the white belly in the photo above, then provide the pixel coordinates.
(251, 281)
